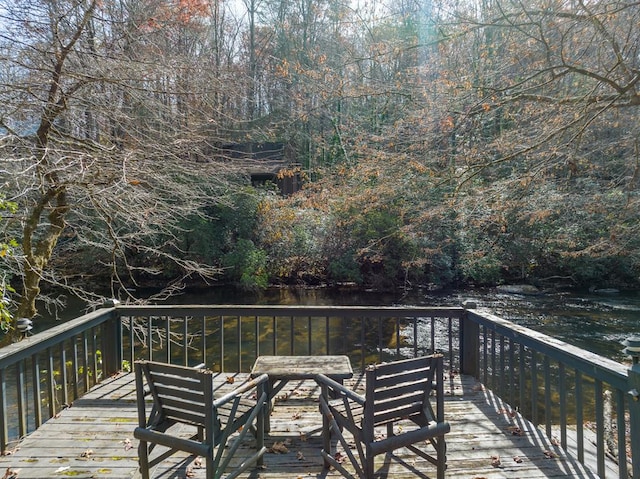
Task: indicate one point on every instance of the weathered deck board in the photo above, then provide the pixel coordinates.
(93, 439)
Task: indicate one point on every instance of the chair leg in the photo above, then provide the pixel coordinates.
(369, 466)
(143, 458)
(326, 438)
(441, 456)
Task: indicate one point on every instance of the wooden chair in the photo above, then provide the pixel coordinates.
(185, 416)
(395, 392)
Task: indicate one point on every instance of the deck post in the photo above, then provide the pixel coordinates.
(111, 342)
(633, 350)
(469, 342)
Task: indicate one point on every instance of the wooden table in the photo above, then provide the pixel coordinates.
(282, 369)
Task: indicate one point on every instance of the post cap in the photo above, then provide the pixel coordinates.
(632, 347)
(24, 325)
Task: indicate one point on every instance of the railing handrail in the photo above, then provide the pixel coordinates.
(30, 345)
(289, 310)
(596, 366)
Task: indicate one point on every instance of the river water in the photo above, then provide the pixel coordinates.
(595, 322)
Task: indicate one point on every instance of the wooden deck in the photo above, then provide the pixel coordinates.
(93, 439)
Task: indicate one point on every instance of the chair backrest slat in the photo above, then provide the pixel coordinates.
(179, 393)
(398, 390)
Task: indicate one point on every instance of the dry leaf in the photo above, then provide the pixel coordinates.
(11, 473)
(303, 437)
(127, 444)
(300, 456)
(189, 472)
(339, 457)
(87, 453)
(495, 461)
(296, 416)
(517, 459)
(550, 454)
(231, 379)
(197, 462)
(515, 430)
(279, 448)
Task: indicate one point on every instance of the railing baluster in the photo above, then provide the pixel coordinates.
(74, 365)
(150, 338)
(4, 426)
(522, 388)
(51, 383)
(450, 337)
(397, 337)
(222, 351)
(37, 390)
(85, 361)
(579, 416)
(599, 412)
(21, 398)
(239, 342)
(256, 320)
(203, 353)
(502, 371)
(94, 356)
(309, 336)
(327, 334)
(363, 341)
(432, 335)
(622, 435)
(512, 382)
(132, 342)
(485, 355)
(547, 396)
(274, 338)
(167, 329)
(534, 388)
(379, 347)
(562, 386)
(291, 336)
(414, 324)
(185, 340)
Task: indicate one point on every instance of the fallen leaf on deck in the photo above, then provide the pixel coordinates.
(197, 462)
(189, 472)
(517, 459)
(279, 448)
(495, 461)
(300, 456)
(515, 430)
(550, 454)
(231, 379)
(11, 473)
(339, 457)
(87, 453)
(127, 444)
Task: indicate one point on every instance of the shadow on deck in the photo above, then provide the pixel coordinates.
(94, 439)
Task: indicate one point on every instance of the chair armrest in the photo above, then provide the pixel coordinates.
(241, 390)
(339, 388)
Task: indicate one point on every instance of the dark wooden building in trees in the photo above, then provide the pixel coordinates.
(269, 162)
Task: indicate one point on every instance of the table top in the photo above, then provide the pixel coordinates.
(302, 367)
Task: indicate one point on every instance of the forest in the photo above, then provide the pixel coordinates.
(440, 143)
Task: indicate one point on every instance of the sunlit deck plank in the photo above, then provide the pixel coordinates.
(93, 439)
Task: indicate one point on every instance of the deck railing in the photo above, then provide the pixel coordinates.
(556, 386)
